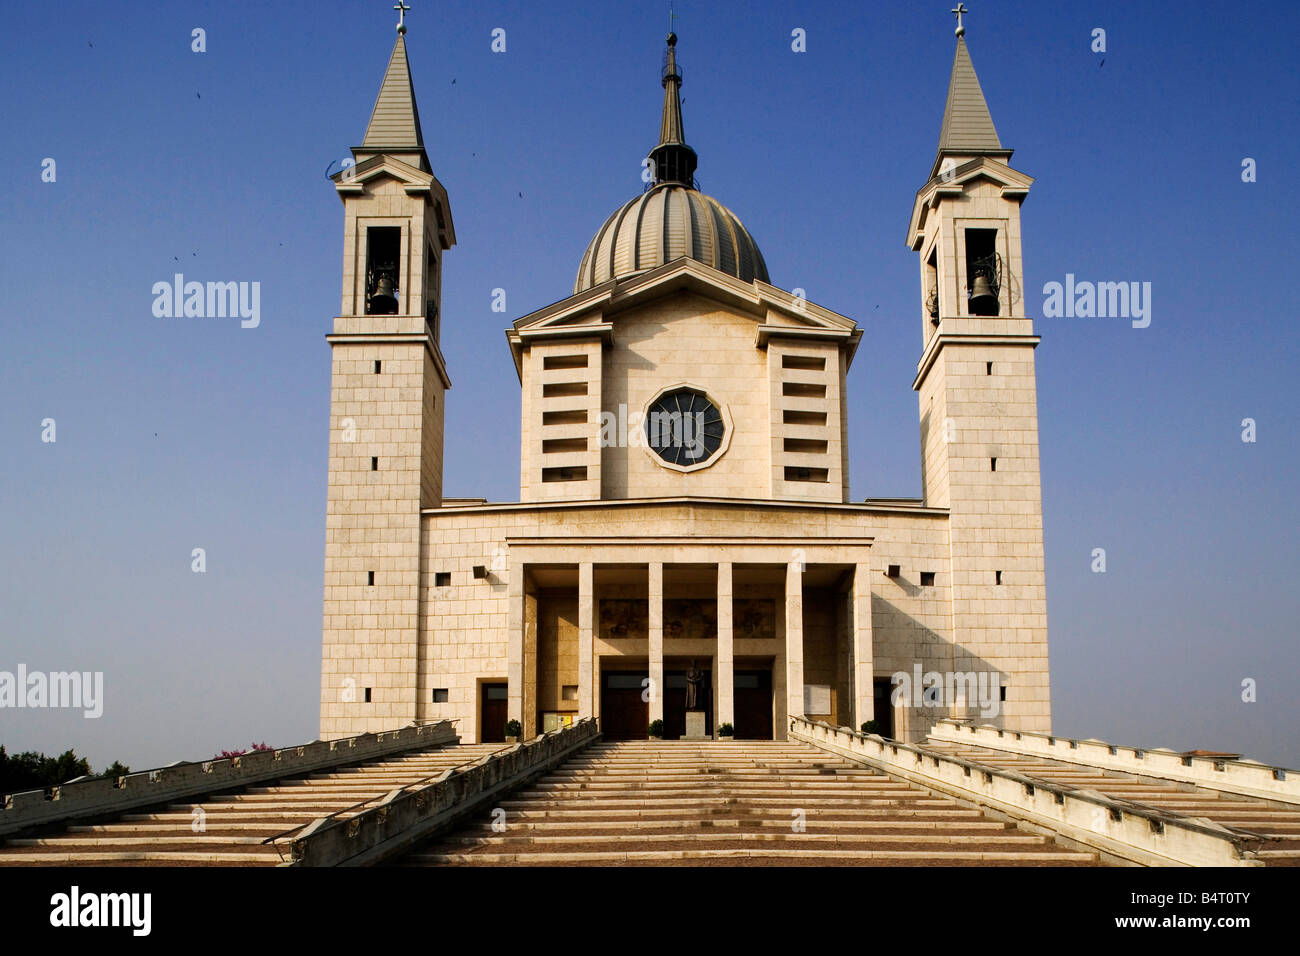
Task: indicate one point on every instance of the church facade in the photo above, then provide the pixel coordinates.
(684, 491)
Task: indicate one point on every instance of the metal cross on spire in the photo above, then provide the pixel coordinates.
(401, 9)
(671, 17)
(959, 10)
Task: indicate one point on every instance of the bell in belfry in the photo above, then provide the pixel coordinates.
(982, 299)
(383, 301)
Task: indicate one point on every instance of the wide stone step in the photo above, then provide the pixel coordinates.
(785, 856)
(704, 836)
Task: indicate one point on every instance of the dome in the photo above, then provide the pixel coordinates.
(668, 222)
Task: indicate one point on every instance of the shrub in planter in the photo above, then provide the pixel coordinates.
(871, 727)
(513, 730)
(726, 731)
(656, 729)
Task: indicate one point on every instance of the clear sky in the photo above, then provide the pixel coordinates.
(175, 434)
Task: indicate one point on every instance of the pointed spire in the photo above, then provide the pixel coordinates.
(967, 125)
(395, 122)
(674, 161)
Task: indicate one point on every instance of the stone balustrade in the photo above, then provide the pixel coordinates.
(1246, 777)
(411, 814)
(1124, 832)
(96, 796)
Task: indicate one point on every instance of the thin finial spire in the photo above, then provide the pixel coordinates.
(959, 10)
(401, 9)
(674, 161)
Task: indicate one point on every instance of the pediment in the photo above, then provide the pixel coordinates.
(595, 311)
(366, 175)
(958, 180)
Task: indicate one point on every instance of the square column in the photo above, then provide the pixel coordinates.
(724, 705)
(794, 639)
(586, 615)
(514, 644)
(864, 694)
(656, 640)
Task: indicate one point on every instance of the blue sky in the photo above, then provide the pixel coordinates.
(174, 434)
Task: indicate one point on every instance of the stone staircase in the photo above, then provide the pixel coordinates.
(1278, 823)
(678, 803)
(235, 823)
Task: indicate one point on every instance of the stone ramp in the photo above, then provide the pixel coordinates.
(232, 825)
(1278, 822)
(761, 803)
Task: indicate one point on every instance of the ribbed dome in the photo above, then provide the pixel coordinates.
(665, 223)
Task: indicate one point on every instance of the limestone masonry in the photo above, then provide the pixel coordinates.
(684, 487)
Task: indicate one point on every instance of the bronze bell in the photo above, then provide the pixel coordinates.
(982, 299)
(384, 299)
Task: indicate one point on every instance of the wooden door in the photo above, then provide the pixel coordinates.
(492, 714)
(623, 714)
(752, 704)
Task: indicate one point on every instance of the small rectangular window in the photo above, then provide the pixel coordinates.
(1002, 692)
(378, 366)
(440, 695)
(574, 416)
(793, 473)
(374, 464)
(569, 692)
(564, 361)
(563, 389)
(370, 578)
(811, 363)
(791, 416)
(442, 579)
(997, 577)
(993, 464)
(553, 446)
(805, 446)
(988, 368)
(927, 579)
(803, 390)
(367, 695)
(577, 473)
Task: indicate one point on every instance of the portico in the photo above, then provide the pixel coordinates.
(794, 615)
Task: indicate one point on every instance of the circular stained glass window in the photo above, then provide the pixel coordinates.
(684, 427)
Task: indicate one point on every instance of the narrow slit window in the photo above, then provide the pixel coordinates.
(988, 368)
(367, 695)
(374, 464)
(997, 577)
(370, 578)
(378, 366)
(993, 464)
(810, 363)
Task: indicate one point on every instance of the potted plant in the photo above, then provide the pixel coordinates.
(513, 731)
(871, 727)
(656, 730)
(726, 732)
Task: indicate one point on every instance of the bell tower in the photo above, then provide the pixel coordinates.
(386, 415)
(978, 402)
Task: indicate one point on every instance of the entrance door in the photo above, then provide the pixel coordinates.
(884, 704)
(752, 703)
(492, 715)
(624, 715)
